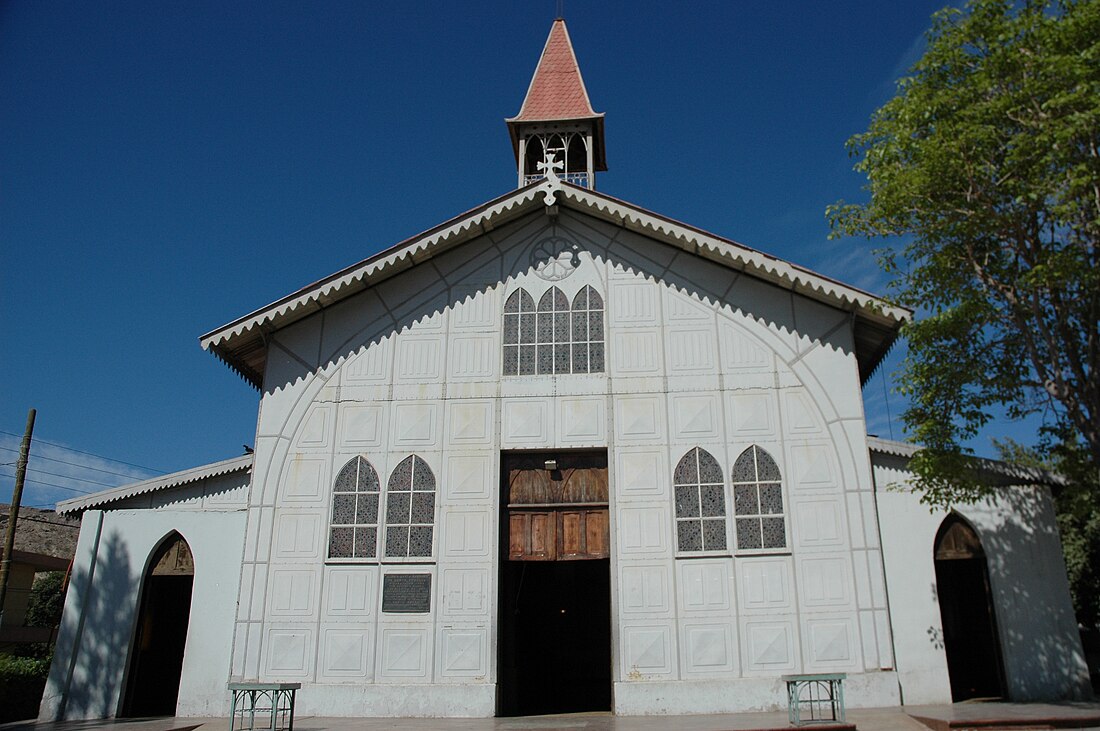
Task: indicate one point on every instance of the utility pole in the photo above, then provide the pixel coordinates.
(13, 509)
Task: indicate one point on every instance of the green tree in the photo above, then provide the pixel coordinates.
(986, 164)
(46, 600)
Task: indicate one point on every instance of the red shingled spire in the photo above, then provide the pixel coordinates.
(557, 89)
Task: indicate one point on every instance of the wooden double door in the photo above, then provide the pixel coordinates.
(554, 619)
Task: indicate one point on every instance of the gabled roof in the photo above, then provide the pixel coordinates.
(557, 90)
(996, 472)
(165, 482)
(242, 344)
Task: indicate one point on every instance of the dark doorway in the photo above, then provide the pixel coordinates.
(554, 626)
(966, 609)
(156, 660)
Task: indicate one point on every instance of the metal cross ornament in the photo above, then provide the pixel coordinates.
(550, 167)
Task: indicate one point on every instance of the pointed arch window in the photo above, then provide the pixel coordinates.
(519, 334)
(557, 337)
(700, 503)
(410, 509)
(758, 501)
(353, 531)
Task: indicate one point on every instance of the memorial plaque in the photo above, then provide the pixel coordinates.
(407, 593)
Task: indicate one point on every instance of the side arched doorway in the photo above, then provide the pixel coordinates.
(156, 658)
(970, 634)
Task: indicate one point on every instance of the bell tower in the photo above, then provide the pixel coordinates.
(557, 120)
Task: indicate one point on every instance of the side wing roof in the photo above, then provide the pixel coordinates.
(242, 343)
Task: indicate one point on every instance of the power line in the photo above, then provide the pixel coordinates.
(90, 454)
(59, 487)
(70, 477)
(32, 519)
(71, 464)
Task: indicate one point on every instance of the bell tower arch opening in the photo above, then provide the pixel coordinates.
(970, 636)
(160, 635)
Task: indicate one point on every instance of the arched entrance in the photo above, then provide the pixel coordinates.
(966, 609)
(156, 660)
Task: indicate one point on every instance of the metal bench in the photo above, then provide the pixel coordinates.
(273, 702)
(816, 698)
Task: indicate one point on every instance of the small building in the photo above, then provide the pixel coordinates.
(560, 453)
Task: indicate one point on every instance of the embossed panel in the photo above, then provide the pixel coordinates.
(680, 307)
(705, 585)
(475, 308)
(741, 351)
(825, 582)
(636, 353)
(812, 467)
(316, 429)
(292, 593)
(751, 415)
(349, 591)
(360, 426)
(708, 648)
(288, 651)
(462, 652)
(526, 422)
(370, 365)
(643, 530)
(297, 535)
(640, 474)
(469, 477)
(303, 477)
(765, 585)
(818, 523)
(419, 358)
(582, 421)
(695, 418)
(415, 424)
(830, 642)
(769, 645)
(472, 357)
(470, 423)
(801, 414)
(691, 350)
(404, 653)
(639, 419)
(467, 534)
(644, 589)
(345, 653)
(465, 592)
(647, 650)
(634, 303)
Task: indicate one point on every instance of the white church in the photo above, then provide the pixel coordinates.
(556, 454)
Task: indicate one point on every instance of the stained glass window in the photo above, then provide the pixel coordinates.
(758, 501)
(519, 334)
(700, 503)
(410, 510)
(555, 338)
(353, 531)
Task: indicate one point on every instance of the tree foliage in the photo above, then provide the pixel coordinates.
(986, 163)
(46, 600)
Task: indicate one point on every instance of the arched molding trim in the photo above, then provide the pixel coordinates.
(957, 538)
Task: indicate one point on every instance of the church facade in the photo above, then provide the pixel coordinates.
(560, 453)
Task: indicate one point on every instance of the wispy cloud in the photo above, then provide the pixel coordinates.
(57, 472)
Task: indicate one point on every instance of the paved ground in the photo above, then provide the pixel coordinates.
(1023, 715)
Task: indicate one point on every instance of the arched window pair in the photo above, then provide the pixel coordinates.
(700, 495)
(556, 338)
(409, 517)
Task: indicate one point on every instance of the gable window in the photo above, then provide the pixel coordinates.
(519, 334)
(758, 501)
(557, 337)
(410, 510)
(700, 503)
(353, 531)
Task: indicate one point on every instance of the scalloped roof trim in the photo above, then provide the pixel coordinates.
(621, 211)
(165, 482)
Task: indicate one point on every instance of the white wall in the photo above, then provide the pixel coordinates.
(697, 355)
(88, 671)
(1040, 644)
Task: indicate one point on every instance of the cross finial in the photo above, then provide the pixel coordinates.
(550, 167)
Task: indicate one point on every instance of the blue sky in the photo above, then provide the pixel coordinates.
(167, 167)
